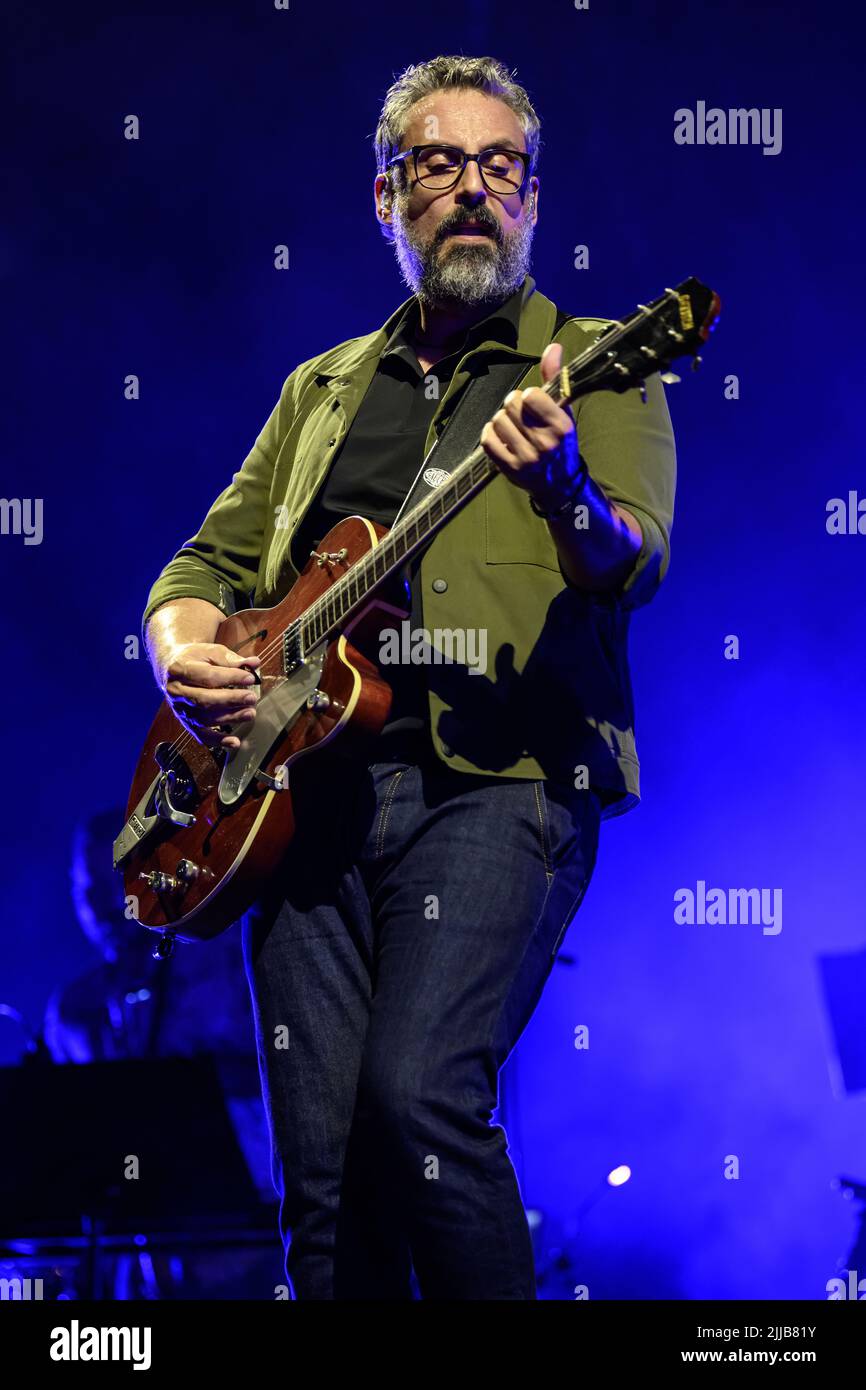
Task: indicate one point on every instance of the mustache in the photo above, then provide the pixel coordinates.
(485, 221)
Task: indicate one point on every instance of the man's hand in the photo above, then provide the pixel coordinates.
(208, 686)
(533, 441)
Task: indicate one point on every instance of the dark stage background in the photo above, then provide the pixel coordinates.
(155, 257)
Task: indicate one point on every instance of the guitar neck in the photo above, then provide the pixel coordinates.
(621, 355)
(418, 527)
(329, 613)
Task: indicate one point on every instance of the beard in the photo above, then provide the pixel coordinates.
(466, 273)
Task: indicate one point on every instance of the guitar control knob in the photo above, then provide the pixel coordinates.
(187, 870)
(159, 882)
(319, 700)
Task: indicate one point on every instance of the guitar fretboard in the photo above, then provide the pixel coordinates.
(595, 366)
(401, 542)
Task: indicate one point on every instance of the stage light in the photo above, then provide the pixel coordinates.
(619, 1175)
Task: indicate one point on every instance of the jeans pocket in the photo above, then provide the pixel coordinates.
(566, 913)
(543, 821)
(568, 819)
(384, 813)
(569, 823)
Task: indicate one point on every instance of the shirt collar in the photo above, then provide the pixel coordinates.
(502, 325)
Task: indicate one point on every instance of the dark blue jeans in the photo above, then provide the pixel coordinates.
(394, 962)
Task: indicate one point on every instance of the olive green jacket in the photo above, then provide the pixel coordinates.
(556, 698)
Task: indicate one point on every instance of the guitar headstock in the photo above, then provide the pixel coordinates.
(677, 324)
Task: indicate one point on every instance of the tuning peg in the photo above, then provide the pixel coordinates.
(641, 386)
(669, 378)
(696, 362)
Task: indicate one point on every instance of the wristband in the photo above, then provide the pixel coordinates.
(555, 512)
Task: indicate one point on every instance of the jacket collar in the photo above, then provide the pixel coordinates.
(501, 325)
(535, 327)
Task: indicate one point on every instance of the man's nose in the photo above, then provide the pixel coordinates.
(470, 188)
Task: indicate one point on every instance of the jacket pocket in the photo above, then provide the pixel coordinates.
(513, 535)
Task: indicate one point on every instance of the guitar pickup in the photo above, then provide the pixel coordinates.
(293, 655)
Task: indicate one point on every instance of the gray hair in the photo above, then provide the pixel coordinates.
(443, 74)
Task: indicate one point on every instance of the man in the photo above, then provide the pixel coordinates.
(400, 951)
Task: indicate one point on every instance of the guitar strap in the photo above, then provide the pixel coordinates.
(480, 400)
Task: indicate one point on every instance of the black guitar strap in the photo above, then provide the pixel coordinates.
(480, 400)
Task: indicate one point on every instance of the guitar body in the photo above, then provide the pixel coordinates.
(194, 880)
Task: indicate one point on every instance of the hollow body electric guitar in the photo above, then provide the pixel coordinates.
(206, 827)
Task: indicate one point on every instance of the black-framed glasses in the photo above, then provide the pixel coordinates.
(441, 166)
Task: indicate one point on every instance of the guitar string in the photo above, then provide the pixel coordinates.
(613, 335)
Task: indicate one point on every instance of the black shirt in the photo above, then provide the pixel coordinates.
(375, 466)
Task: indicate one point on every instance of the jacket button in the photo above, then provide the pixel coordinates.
(439, 586)
(331, 443)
